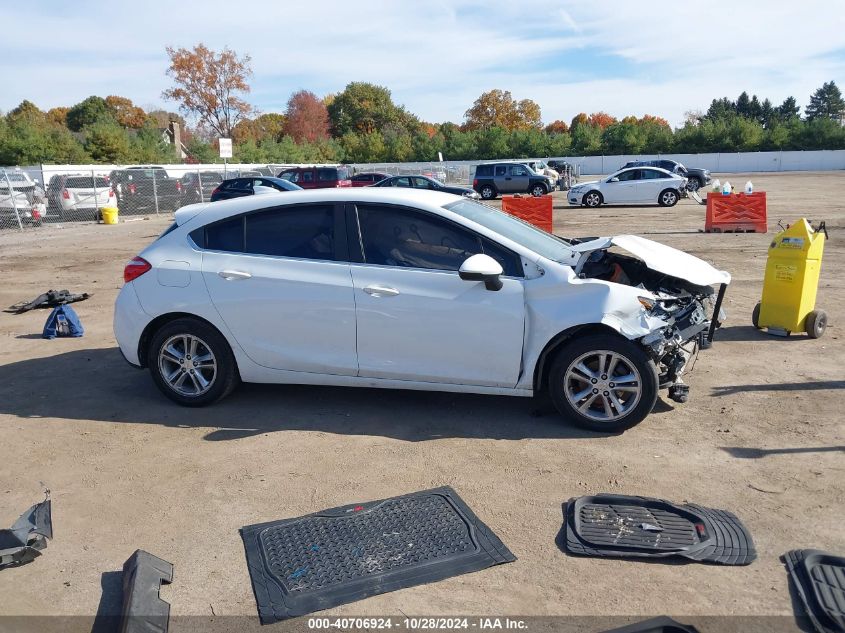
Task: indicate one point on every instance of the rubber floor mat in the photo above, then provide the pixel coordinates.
(819, 580)
(623, 526)
(337, 556)
(660, 624)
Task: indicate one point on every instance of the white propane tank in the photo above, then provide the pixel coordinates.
(749, 188)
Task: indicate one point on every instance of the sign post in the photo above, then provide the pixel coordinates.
(225, 152)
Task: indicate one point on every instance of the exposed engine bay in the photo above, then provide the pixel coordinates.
(685, 307)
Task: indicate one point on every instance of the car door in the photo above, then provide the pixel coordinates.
(620, 190)
(280, 281)
(649, 185)
(502, 179)
(519, 178)
(417, 319)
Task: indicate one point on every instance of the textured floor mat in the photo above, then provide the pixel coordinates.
(623, 526)
(661, 624)
(336, 556)
(819, 580)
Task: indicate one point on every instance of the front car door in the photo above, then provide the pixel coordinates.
(417, 319)
(622, 190)
(519, 178)
(279, 279)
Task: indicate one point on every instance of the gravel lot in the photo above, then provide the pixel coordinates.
(762, 435)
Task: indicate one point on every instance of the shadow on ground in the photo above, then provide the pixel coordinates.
(97, 384)
(812, 385)
(757, 453)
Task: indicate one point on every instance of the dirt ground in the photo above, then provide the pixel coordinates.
(762, 435)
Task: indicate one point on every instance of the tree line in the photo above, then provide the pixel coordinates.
(363, 124)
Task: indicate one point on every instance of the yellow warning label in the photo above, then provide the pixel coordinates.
(785, 273)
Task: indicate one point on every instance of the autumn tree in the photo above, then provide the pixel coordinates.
(557, 127)
(126, 113)
(58, 116)
(578, 120)
(208, 85)
(307, 117)
(497, 108)
(601, 120)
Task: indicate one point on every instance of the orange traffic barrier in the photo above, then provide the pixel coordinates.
(736, 212)
(537, 211)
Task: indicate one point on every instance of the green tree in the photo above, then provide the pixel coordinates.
(107, 143)
(88, 112)
(363, 108)
(826, 102)
(789, 109)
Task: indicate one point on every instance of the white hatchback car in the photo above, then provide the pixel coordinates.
(635, 185)
(409, 289)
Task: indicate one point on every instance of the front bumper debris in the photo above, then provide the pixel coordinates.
(23, 542)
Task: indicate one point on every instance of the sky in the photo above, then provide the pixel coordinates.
(437, 56)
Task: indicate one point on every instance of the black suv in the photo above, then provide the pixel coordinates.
(240, 187)
(696, 178)
(492, 179)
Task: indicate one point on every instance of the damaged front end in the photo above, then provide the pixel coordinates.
(681, 297)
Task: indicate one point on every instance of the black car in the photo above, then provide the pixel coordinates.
(696, 178)
(239, 187)
(424, 182)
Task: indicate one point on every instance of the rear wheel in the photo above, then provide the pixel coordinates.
(816, 323)
(668, 198)
(603, 383)
(593, 199)
(191, 363)
(755, 316)
(488, 192)
(538, 190)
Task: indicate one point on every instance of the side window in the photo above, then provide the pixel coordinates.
(400, 182)
(650, 174)
(325, 175)
(307, 176)
(501, 170)
(518, 170)
(631, 174)
(401, 237)
(225, 236)
(511, 262)
(484, 171)
(421, 183)
(288, 175)
(305, 232)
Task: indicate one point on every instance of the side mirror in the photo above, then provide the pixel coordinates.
(614, 179)
(482, 268)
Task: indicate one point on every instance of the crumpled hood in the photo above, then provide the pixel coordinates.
(663, 259)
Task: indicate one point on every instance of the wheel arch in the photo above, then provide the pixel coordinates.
(163, 319)
(544, 361)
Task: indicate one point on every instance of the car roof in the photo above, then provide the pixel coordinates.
(632, 167)
(213, 211)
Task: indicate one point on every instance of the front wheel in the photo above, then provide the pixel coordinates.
(603, 383)
(191, 363)
(593, 199)
(538, 190)
(694, 184)
(668, 198)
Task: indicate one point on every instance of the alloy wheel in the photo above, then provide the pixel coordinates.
(187, 365)
(603, 385)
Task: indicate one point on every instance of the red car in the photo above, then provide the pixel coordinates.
(368, 178)
(318, 177)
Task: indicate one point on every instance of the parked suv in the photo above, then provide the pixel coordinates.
(319, 177)
(492, 179)
(78, 196)
(145, 189)
(696, 178)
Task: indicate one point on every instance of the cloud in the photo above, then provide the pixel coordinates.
(437, 56)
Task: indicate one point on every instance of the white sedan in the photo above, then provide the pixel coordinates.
(635, 185)
(405, 289)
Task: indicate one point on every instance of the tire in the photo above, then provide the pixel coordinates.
(592, 199)
(204, 340)
(569, 386)
(816, 323)
(755, 316)
(694, 184)
(538, 190)
(488, 192)
(668, 198)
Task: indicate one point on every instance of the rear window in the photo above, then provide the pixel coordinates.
(86, 182)
(485, 171)
(302, 232)
(226, 236)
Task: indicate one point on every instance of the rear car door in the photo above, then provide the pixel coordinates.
(650, 184)
(417, 319)
(280, 281)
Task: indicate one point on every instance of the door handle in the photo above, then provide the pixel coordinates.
(234, 275)
(381, 291)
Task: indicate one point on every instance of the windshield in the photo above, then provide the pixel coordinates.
(516, 230)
